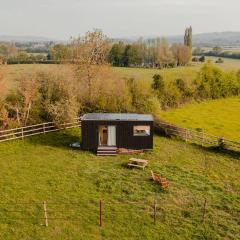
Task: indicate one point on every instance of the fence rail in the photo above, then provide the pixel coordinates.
(164, 128)
(42, 128)
(193, 136)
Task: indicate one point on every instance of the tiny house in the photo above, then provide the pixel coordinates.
(104, 133)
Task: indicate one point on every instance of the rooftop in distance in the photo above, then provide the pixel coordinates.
(117, 117)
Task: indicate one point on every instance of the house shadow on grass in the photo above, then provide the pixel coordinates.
(213, 149)
(225, 152)
(217, 150)
(61, 139)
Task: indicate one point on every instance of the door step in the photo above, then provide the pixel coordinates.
(106, 151)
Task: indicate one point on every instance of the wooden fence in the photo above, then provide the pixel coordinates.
(196, 137)
(161, 127)
(42, 128)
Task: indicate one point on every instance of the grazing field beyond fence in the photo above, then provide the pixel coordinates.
(197, 137)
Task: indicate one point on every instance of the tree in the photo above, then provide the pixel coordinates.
(217, 50)
(20, 102)
(198, 51)
(58, 95)
(89, 55)
(158, 83)
(116, 54)
(131, 56)
(188, 38)
(8, 50)
(3, 87)
(181, 53)
(164, 54)
(3, 92)
(210, 82)
(142, 98)
(60, 52)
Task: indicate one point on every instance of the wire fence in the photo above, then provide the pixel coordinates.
(102, 213)
(95, 212)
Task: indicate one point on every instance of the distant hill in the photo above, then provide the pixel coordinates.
(7, 38)
(231, 39)
(212, 39)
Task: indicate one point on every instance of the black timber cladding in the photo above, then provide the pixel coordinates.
(124, 130)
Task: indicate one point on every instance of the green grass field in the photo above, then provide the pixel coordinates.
(44, 168)
(187, 73)
(228, 64)
(219, 117)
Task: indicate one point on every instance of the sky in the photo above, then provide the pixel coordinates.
(61, 19)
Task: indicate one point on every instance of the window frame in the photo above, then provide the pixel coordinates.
(141, 134)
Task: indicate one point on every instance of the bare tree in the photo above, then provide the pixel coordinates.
(164, 54)
(3, 92)
(90, 54)
(181, 53)
(21, 101)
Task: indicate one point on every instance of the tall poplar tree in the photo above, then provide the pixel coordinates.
(188, 38)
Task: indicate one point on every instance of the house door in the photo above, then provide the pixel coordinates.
(107, 135)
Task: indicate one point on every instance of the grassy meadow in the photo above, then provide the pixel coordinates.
(44, 168)
(219, 117)
(187, 73)
(228, 64)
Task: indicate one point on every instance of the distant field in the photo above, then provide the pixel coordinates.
(187, 73)
(14, 71)
(45, 168)
(229, 64)
(220, 117)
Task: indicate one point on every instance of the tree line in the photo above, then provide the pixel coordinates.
(155, 53)
(89, 84)
(210, 82)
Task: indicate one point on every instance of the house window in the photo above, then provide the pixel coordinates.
(141, 131)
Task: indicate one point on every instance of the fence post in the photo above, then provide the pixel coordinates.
(44, 128)
(204, 210)
(22, 133)
(155, 211)
(100, 212)
(45, 213)
(221, 143)
(202, 142)
(166, 132)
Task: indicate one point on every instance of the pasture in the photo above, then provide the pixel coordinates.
(228, 64)
(219, 117)
(186, 73)
(45, 168)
